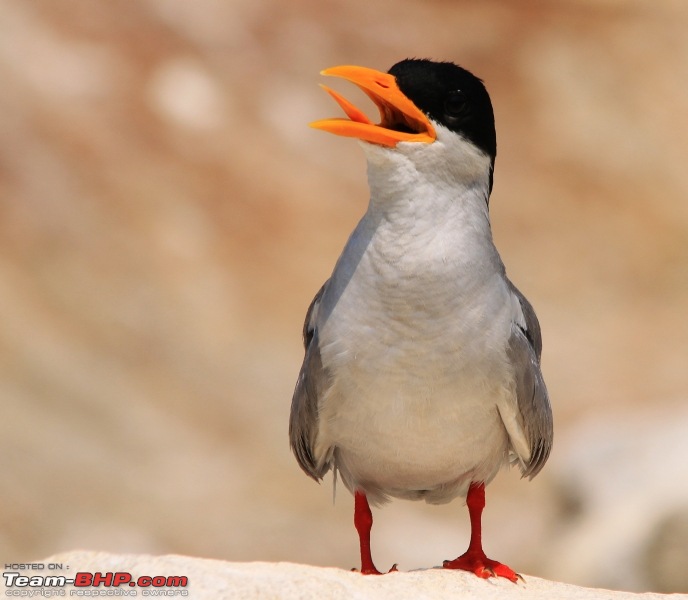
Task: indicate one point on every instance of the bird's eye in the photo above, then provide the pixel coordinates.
(455, 104)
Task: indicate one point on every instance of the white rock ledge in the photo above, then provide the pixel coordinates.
(218, 580)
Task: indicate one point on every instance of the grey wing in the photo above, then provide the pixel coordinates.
(303, 421)
(525, 348)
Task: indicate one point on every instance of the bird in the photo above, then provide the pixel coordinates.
(421, 377)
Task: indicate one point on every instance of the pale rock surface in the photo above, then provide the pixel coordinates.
(218, 580)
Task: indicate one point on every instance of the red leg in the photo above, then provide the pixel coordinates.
(474, 558)
(363, 521)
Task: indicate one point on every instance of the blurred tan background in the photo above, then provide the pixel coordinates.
(166, 216)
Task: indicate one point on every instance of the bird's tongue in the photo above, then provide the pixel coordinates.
(351, 111)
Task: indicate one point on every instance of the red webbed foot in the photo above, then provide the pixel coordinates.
(371, 570)
(474, 559)
(478, 563)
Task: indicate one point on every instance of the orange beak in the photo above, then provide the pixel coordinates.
(400, 119)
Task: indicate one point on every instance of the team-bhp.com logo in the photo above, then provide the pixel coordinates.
(93, 584)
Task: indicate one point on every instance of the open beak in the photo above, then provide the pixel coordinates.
(400, 119)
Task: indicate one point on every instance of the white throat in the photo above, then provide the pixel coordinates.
(426, 235)
(430, 193)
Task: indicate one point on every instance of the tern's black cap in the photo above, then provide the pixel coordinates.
(451, 96)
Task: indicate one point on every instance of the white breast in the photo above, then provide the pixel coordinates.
(413, 330)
